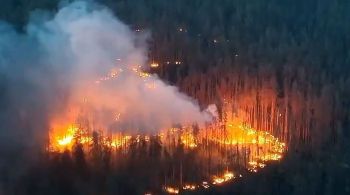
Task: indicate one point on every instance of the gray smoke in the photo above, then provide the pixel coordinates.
(55, 66)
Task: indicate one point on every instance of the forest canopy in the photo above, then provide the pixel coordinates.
(284, 58)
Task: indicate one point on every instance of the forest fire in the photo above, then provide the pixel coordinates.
(256, 148)
(240, 135)
(145, 97)
(215, 142)
(120, 118)
(252, 148)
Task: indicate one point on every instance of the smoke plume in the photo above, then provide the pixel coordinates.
(83, 63)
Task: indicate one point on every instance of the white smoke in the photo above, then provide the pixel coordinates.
(212, 109)
(82, 43)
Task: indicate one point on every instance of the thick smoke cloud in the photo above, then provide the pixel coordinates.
(52, 73)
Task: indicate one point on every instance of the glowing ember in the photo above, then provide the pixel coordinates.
(190, 187)
(227, 176)
(154, 65)
(205, 185)
(172, 190)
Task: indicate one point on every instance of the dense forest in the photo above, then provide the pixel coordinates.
(285, 63)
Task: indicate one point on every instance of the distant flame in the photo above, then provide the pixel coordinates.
(227, 176)
(154, 65)
(172, 190)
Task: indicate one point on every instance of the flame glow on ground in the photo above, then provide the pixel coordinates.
(262, 147)
(215, 142)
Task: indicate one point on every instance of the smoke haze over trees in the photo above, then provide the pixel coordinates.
(271, 57)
